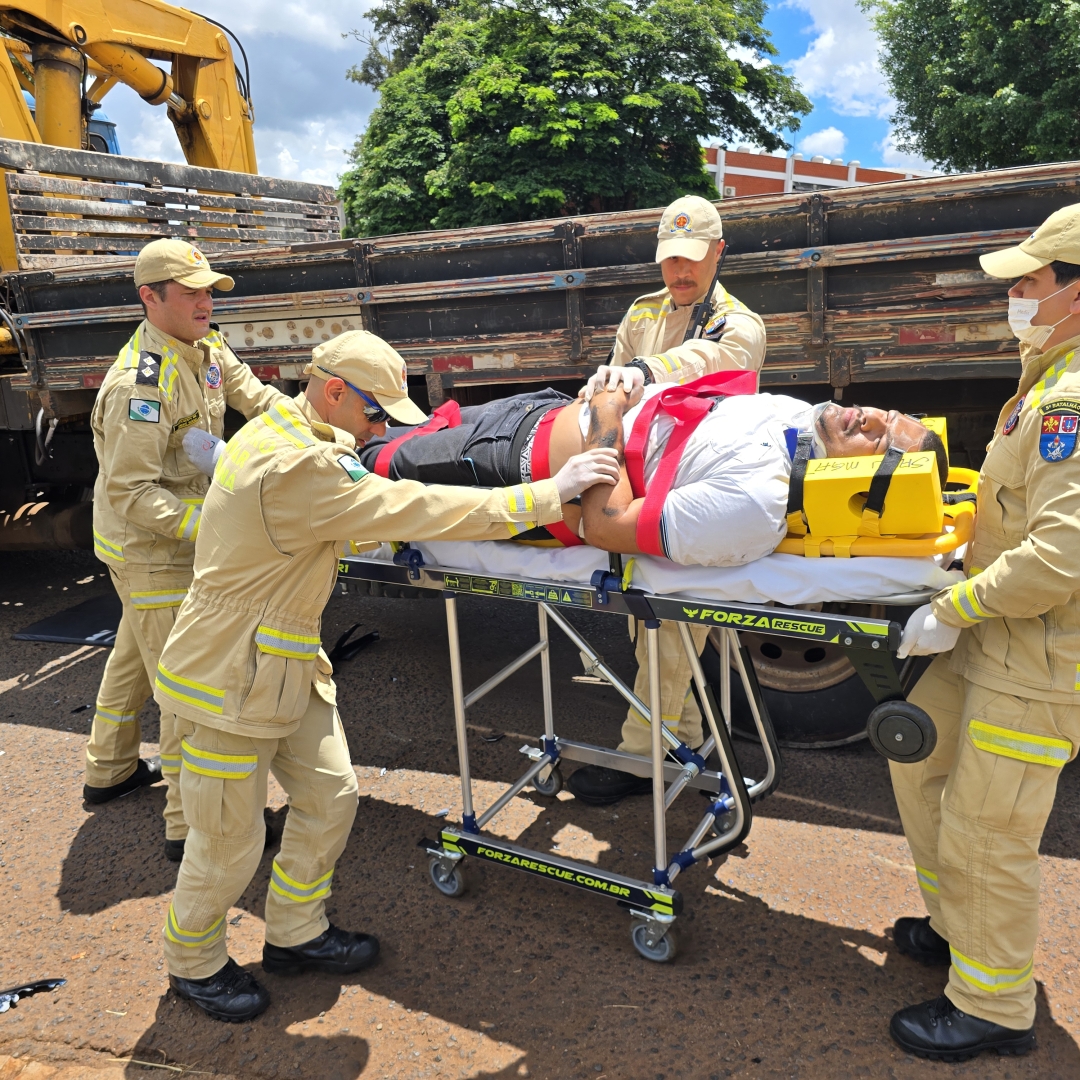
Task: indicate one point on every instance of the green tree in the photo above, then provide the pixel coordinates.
(983, 84)
(508, 113)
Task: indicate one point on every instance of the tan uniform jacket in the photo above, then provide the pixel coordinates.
(654, 328)
(148, 495)
(287, 494)
(1020, 599)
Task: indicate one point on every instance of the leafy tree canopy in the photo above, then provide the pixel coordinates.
(983, 84)
(491, 112)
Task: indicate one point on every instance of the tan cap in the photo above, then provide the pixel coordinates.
(1056, 239)
(177, 260)
(370, 364)
(687, 228)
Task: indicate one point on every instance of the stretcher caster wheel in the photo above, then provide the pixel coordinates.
(450, 881)
(659, 952)
(901, 732)
(552, 785)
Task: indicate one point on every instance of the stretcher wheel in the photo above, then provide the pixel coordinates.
(901, 732)
(450, 883)
(660, 953)
(552, 785)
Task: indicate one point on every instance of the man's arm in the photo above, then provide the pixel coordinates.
(610, 514)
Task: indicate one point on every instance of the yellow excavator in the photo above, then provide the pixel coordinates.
(68, 54)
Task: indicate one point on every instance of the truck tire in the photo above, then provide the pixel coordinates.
(814, 695)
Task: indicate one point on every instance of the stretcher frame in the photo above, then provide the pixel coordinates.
(674, 767)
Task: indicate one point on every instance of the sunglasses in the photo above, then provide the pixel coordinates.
(373, 410)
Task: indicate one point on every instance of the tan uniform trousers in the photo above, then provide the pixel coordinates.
(974, 813)
(223, 785)
(680, 711)
(150, 603)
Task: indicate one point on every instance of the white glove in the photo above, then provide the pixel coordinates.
(203, 448)
(598, 466)
(608, 378)
(924, 635)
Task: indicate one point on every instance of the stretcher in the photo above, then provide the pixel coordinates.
(553, 582)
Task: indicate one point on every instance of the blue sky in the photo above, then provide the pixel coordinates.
(307, 114)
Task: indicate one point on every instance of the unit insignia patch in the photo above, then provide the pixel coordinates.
(1058, 437)
(1013, 417)
(148, 370)
(353, 467)
(149, 412)
(213, 376)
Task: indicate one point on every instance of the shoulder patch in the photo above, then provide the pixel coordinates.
(1060, 405)
(148, 369)
(187, 421)
(149, 412)
(1057, 437)
(353, 467)
(1013, 417)
(213, 376)
(714, 328)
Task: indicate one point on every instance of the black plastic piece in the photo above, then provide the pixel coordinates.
(901, 732)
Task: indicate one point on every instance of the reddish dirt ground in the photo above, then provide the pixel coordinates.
(786, 968)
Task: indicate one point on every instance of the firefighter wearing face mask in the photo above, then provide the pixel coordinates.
(1005, 690)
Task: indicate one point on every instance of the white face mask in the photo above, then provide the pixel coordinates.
(1021, 312)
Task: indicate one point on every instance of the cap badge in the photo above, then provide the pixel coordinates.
(682, 223)
(404, 379)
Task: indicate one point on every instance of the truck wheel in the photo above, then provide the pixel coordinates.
(814, 695)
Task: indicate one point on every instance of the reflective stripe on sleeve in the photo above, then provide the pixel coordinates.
(672, 363)
(1077, 686)
(193, 939)
(278, 419)
(108, 548)
(963, 599)
(189, 523)
(988, 978)
(280, 643)
(519, 500)
(1038, 749)
(221, 766)
(206, 697)
(160, 598)
(928, 880)
(111, 716)
(170, 763)
(299, 891)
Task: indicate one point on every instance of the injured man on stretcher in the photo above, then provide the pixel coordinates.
(720, 498)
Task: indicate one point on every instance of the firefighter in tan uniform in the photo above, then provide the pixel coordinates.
(245, 676)
(652, 345)
(1006, 698)
(170, 384)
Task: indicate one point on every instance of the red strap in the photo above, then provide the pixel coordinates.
(687, 405)
(447, 415)
(541, 470)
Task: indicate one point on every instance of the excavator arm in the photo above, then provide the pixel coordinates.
(53, 46)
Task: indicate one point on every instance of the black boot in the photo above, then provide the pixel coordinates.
(232, 994)
(598, 785)
(338, 952)
(174, 849)
(919, 940)
(940, 1031)
(146, 772)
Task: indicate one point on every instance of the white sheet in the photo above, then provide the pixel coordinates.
(783, 579)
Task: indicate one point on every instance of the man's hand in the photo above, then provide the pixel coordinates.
(203, 448)
(924, 635)
(609, 378)
(582, 471)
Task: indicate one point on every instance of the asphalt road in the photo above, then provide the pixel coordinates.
(786, 968)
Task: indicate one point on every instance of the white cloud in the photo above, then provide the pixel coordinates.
(829, 142)
(841, 63)
(895, 158)
(321, 24)
(316, 154)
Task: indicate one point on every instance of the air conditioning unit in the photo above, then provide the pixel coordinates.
(729, 191)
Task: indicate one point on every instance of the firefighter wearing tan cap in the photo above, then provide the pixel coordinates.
(166, 392)
(1005, 690)
(668, 336)
(244, 678)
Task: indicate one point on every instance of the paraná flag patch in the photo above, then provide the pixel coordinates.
(353, 467)
(149, 412)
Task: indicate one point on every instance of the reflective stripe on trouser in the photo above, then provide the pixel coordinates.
(112, 751)
(681, 712)
(974, 814)
(223, 801)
